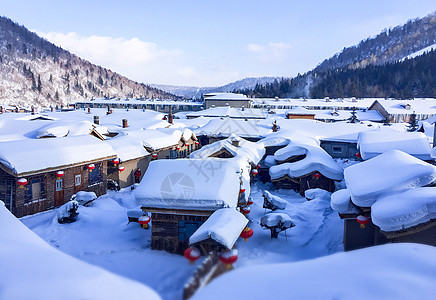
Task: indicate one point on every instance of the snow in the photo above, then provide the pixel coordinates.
(341, 202)
(160, 138)
(392, 271)
(404, 209)
(232, 112)
(223, 226)
(32, 269)
(317, 194)
(316, 160)
(127, 146)
(420, 52)
(275, 200)
(205, 184)
(224, 127)
(372, 143)
(23, 156)
(386, 173)
(274, 218)
(83, 197)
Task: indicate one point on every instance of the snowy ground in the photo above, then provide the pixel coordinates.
(103, 237)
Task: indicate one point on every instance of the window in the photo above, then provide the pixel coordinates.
(35, 189)
(59, 184)
(78, 180)
(95, 177)
(7, 192)
(337, 149)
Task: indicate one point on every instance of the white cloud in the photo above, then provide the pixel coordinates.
(271, 52)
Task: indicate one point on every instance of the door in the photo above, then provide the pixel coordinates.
(59, 192)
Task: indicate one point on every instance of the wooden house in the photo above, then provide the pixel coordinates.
(39, 174)
(378, 207)
(299, 112)
(182, 194)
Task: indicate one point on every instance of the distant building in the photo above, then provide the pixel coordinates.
(226, 99)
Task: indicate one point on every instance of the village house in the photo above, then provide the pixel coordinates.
(39, 174)
(395, 111)
(226, 99)
(230, 112)
(182, 194)
(389, 198)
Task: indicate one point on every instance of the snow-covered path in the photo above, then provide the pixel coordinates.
(103, 237)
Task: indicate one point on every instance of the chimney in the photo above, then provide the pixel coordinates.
(125, 123)
(242, 108)
(33, 110)
(89, 110)
(52, 109)
(17, 110)
(97, 120)
(275, 127)
(434, 135)
(1, 109)
(170, 115)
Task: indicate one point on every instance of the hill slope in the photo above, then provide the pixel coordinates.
(33, 71)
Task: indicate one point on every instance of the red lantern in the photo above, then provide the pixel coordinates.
(154, 155)
(246, 233)
(245, 210)
(241, 191)
(358, 155)
(258, 166)
(115, 161)
(250, 202)
(186, 144)
(22, 182)
(59, 174)
(197, 143)
(178, 148)
(192, 254)
(362, 220)
(254, 172)
(229, 258)
(144, 220)
(91, 167)
(121, 169)
(317, 175)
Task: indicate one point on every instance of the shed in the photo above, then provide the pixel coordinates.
(181, 195)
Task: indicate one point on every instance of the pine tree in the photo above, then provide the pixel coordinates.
(413, 123)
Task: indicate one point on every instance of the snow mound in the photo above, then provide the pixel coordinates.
(274, 218)
(275, 201)
(317, 194)
(316, 160)
(405, 209)
(341, 202)
(387, 173)
(46, 273)
(392, 271)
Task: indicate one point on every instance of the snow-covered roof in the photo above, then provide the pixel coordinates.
(37, 270)
(225, 97)
(316, 160)
(224, 226)
(139, 102)
(65, 128)
(347, 103)
(390, 172)
(275, 200)
(405, 209)
(341, 202)
(424, 106)
(372, 143)
(392, 271)
(224, 127)
(127, 147)
(161, 137)
(298, 110)
(29, 156)
(203, 184)
(232, 112)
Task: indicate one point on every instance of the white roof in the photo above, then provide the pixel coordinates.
(37, 270)
(390, 172)
(127, 147)
(298, 110)
(232, 112)
(372, 143)
(204, 184)
(225, 96)
(223, 226)
(224, 127)
(316, 160)
(405, 209)
(425, 106)
(34, 155)
(132, 101)
(161, 137)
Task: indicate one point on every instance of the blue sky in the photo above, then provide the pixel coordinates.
(209, 43)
